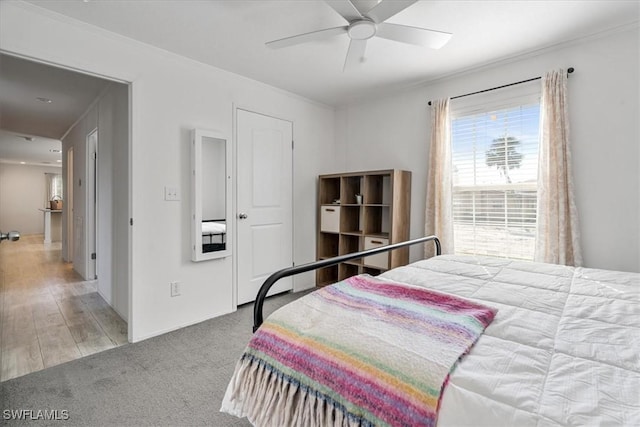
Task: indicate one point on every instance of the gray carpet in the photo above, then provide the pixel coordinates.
(177, 379)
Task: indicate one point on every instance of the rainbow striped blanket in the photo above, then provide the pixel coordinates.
(361, 352)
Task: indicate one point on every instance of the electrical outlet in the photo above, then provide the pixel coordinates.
(175, 289)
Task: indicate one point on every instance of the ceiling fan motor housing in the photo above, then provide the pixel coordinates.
(362, 29)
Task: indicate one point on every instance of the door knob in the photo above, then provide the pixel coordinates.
(12, 236)
(242, 216)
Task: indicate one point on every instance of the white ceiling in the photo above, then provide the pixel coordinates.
(231, 35)
(22, 82)
(22, 115)
(40, 151)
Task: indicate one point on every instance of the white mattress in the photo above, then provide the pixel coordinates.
(563, 349)
(213, 228)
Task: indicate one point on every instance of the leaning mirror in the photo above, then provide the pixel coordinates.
(211, 191)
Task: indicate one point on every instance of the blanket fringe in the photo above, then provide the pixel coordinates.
(268, 400)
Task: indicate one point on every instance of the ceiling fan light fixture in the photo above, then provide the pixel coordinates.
(362, 29)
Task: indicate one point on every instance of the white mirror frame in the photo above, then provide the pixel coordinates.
(198, 186)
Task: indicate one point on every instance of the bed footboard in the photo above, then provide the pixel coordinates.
(290, 271)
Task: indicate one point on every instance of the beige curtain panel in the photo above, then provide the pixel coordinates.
(558, 238)
(439, 212)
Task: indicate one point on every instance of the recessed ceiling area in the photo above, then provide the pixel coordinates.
(231, 35)
(38, 105)
(29, 150)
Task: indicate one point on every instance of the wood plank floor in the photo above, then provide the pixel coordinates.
(48, 314)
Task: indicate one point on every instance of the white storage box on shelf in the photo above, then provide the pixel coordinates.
(378, 260)
(330, 219)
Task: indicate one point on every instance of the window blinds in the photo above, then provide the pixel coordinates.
(495, 163)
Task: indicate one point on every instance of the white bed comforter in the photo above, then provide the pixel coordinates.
(563, 349)
(213, 228)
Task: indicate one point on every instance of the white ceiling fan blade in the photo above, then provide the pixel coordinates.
(307, 37)
(355, 54)
(387, 8)
(413, 35)
(346, 9)
(365, 6)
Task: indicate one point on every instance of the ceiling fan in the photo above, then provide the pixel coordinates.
(365, 24)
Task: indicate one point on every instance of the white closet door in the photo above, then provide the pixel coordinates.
(264, 202)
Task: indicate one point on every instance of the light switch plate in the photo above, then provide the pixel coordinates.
(175, 289)
(171, 193)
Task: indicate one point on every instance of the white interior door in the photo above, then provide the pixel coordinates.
(264, 202)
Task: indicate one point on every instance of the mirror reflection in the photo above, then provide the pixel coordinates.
(214, 227)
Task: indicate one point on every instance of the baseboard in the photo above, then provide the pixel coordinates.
(184, 325)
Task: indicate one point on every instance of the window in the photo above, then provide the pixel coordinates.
(494, 176)
(53, 186)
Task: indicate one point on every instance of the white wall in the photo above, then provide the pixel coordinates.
(171, 95)
(393, 132)
(116, 100)
(22, 193)
(109, 115)
(113, 191)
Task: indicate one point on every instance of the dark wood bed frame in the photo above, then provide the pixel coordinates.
(290, 271)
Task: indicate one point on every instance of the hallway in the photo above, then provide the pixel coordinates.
(48, 314)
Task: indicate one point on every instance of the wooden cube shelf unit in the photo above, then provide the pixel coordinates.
(348, 223)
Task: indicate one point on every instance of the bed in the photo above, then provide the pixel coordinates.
(214, 233)
(562, 350)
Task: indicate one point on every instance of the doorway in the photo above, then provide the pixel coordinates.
(57, 312)
(264, 202)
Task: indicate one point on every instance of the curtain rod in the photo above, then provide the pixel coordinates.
(569, 71)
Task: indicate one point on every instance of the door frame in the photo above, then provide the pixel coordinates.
(235, 264)
(68, 206)
(91, 202)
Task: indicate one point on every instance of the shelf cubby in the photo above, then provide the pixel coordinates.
(373, 220)
(329, 190)
(377, 189)
(328, 245)
(350, 219)
(349, 243)
(351, 186)
(347, 270)
(327, 275)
